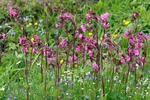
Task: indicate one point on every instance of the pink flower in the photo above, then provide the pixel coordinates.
(90, 68)
(71, 58)
(123, 61)
(3, 35)
(126, 34)
(86, 47)
(83, 28)
(137, 40)
(106, 25)
(20, 40)
(87, 16)
(131, 40)
(95, 66)
(80, 35)
(76, 33)
(59, 16)
(105, 16)
(50, 60)
(65, 15)
(127, 58)
(70, 15)
(35, 36)
(121, 58)
(121, 53)
(129, 50)
(11, 12)
(141, 44)
(57, 25)
(25, 49)
(75, 57)
(136, 52)
(148, 71)
(36, 51)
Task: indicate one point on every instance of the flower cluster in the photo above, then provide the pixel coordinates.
(15, 12)
(63, 18)
(136, 43)
(34, 44)
(87, 44)
(103, 18)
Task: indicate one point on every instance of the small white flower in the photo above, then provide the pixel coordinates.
(2, 89)
(18, 62)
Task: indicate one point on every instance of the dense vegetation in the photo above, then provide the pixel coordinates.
(75, 50)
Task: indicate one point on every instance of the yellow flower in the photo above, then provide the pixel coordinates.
(90, 34)
(76, 66)
(65, 54)
(126, 22)
(40, 48)
(61, 61)
(30, 48)
(35, 24)
(101, 38)
(115, 35)
(30, 24)
(32, 39)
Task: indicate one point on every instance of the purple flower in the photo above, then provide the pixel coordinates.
(69, 96)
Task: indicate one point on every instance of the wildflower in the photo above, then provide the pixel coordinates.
(121, 53)
(76, 66)
(101, 38)
(90, 34)
(11, 12)
(41, 20)
(57, 25)
(6, 24)
(30, 48)
(95, 66)
(25, 49)
(32, 39)
(90, 68)
(87, 16)
(61, 61)
(135, 15)
(136, 52)
(70, 15)
(128, 58)
(2, 89)
(126, 22)
(115, 35)
(3, 35)
(105, 16)
(69, 96)
(50, 60)
(83, 28)
(80, 35)
(30, 24)
(35, 36)
(35, 24)
(123, 61)
(87, 97)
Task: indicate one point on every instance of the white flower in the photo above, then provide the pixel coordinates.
(2, 89)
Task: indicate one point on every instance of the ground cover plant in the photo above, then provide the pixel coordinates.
(75, 50)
